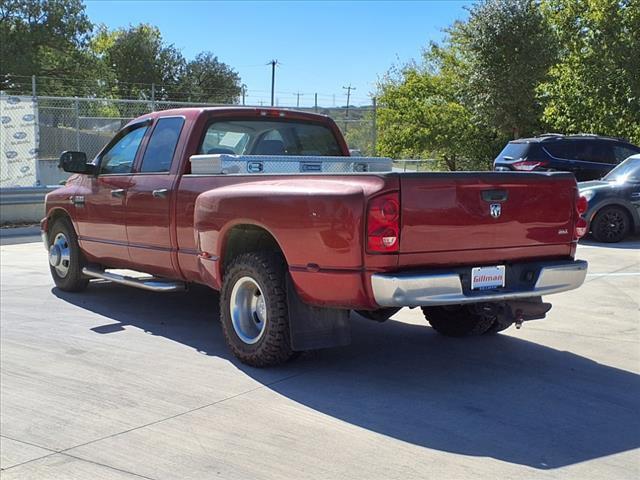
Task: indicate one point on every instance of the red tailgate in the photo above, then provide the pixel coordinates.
(452, 211)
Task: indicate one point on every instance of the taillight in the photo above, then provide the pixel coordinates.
(528, 165)
(582, 204)
(383, 223)
(272, 113)
(581, 227)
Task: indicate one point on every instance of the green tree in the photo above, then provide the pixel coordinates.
(45, 38)
(507, 47)
(595, 86)
(206, 79)
(421, 117)
(138, 58)
(359, 134)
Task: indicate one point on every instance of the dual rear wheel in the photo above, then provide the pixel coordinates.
(253, 309)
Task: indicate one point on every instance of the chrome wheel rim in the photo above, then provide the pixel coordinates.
(248, 310)
(60, 255)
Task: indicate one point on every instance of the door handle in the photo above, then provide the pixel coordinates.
(77, 199)
(160, 193)
(118, 193)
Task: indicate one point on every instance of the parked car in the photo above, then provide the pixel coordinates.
(241, 200)
(614, 202)
(588, 157)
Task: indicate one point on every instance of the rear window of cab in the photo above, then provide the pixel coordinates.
(269, 137)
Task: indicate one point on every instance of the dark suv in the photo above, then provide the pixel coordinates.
(588, 157)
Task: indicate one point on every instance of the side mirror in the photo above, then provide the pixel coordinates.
(75, 162)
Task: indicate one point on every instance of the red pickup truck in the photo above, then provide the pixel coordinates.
(294, 242)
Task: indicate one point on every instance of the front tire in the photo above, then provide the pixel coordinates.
(610, 225)
(458, 320)
(253, 310)
(65, 257)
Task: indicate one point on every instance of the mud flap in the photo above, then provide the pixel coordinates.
(315, 327)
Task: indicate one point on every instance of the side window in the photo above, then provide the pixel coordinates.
(119, 158)
(599, 152)
(621, 152)
(561, 149)
(602, 152)
(162, 145)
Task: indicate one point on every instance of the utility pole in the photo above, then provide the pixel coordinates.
(315, 103)
(298, 95)
(273, 64)
(348, 89)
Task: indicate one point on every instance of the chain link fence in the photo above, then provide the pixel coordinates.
(35, 130)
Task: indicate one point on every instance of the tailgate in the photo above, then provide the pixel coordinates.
(453, 211)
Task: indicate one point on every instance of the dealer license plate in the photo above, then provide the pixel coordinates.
(487, 277)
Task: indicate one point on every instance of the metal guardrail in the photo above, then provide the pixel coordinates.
(23, 195)
(22, 205)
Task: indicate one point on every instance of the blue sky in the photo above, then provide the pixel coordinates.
(322, 46)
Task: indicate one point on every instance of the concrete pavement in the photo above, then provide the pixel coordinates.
(123, 383)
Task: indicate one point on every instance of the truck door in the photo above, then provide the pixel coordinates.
(150, 197)
(101, 211)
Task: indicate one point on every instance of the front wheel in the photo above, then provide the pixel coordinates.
(458, 320)
(610, 225)
(65, 257)
(253, 310)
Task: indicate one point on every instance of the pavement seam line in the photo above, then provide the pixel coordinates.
(106, 466)
(29, 461)
(53, 452)
(182, 413)
(29, 443)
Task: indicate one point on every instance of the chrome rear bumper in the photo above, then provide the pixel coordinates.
(413, 289)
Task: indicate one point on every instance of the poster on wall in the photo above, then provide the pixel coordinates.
(18, 141)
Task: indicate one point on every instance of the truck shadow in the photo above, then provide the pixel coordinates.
(498, 397)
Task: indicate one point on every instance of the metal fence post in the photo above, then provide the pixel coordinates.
(33, 86)
(153, 97)
(77, 109)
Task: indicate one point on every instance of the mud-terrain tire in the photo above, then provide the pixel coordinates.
(65, 257)
(610, 225)
(253, 309)
(457, 320)
(380, 315)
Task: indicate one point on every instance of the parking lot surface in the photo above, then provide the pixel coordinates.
(118, 383)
